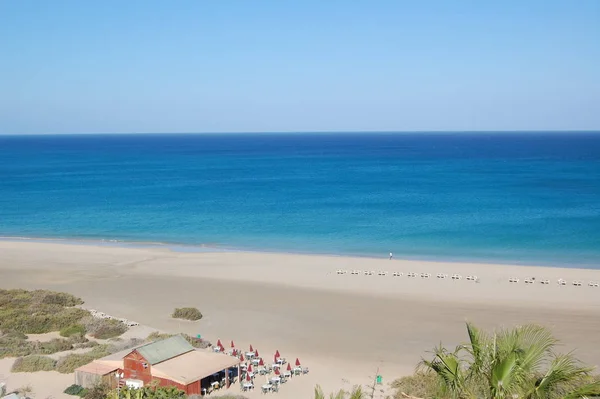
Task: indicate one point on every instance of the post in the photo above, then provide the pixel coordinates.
(227, 378)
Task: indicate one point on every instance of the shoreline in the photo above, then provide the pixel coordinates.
(211, 247)
(343, 327)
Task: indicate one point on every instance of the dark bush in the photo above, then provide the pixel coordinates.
(76, 390)
(100, 391)
(187, 314)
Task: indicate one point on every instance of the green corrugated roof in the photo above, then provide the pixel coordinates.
(160, 351)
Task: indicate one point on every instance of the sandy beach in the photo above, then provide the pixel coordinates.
(343, 327)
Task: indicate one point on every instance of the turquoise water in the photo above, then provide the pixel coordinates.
(519, 198)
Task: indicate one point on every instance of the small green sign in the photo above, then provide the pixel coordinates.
(199, 336)
(379, 380)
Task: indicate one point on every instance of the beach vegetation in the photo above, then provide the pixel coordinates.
(26, 391)
(194, 341)
(75, 329)
(356, 393)
(421, 384)
(98, 391)
(192, 314)
(76, 390)
(103, 328)
(33, 363)
(511, 363)
(39, 311)
(67, 364)
(149, 392)
(15, 344)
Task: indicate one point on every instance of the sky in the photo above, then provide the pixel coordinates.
(290, 66)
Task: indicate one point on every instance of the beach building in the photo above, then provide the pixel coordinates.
(170, 362)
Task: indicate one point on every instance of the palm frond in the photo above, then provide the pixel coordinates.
(319, 392)
(591, 390)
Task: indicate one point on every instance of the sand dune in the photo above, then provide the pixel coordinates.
(343, 327)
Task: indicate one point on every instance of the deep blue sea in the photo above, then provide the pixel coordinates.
(502, 197)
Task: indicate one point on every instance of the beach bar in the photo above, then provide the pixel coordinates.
(169, 362)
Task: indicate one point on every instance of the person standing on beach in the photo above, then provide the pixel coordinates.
(391, 255)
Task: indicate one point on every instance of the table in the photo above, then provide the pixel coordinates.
(287, 374)
(267, 387)
(275, 380)
(247, 386)
(281, 360)
(249, 355)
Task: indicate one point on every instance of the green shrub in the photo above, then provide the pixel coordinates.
(33, 363)
(38, 312)
(103, 328)
(17, 345)
(67, 364)
(53, 346)
(100, 351)
(76, 329)
(76, 390)
(187, 314)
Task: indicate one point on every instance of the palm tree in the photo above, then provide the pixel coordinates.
(356, 393)
(510, 364)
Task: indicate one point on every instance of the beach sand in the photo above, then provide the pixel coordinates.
(343, 327)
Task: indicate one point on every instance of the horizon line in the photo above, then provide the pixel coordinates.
(274, 132)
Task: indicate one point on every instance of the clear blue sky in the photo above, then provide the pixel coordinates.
(310, 65)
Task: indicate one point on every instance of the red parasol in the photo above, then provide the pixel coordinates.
(289, 367)
(256, 353)
(251, 348)
(297, 362)
(221, 348)
(248, 377)
(219, 343)
(277, 371)
(261, 362)
(232, 344)
(242, 357)
(275, 359)
(277, 354)
(234, 353)
(249, 368)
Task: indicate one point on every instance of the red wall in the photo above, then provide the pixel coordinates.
(133, 368)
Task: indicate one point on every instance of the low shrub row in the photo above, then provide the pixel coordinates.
(33, 363)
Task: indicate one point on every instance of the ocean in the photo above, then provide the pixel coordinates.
(531, 198)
